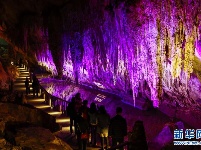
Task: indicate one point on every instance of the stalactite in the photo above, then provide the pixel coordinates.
(118, 50)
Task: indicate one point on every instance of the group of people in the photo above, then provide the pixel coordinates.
(35, 85)
(95, 121)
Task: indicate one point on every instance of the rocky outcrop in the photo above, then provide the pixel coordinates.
(3, 78)
(5, 145)
(6, 77)
(20, 113)
(19, 137)
(39, 138)
(23, 127)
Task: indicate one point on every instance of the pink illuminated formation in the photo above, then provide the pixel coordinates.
(143, 50)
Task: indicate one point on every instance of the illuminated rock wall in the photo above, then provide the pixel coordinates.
(44, 56)
(137, 49)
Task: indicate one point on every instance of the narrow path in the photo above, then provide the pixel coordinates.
(39, 103)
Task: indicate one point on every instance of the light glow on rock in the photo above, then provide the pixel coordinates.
(149, 50)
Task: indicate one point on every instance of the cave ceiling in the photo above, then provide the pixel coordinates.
(14, 13)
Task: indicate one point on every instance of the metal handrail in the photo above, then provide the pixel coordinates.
(55, 101)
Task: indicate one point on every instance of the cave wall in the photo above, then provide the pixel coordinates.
(122, 46)
(137, 48)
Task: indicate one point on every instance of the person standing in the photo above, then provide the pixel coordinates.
(93, 121)
(84, 109)
(71, 113)
(34, 84)
(37, 87)
(103, 125)
(27, 86)
(118, 128)
(82, 132)
(78, 104)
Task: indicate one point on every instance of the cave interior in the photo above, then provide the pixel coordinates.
(138, 50)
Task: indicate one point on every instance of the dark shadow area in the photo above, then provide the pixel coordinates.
(11, 130)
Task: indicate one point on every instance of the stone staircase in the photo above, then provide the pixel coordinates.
(38, 102)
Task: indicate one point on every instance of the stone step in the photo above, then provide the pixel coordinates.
(23, 70)
(20, 68)
(54, 113)
(39, 103)
(63, 120)
(24, 76)
(65, 124)
(18, 85)
(20, 79)
(66, 129)
(19, 82)
(36, 101)
(19, 89)
(41, 106)
(21, 85)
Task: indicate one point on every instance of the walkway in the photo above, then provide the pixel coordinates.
(39, 103)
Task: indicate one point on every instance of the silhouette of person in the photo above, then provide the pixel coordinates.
(71, 113)
(27, 86)
(93, 121)
(118, 128)
(103, 125)
(82, 128)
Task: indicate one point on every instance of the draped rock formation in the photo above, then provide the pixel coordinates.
(133, 48)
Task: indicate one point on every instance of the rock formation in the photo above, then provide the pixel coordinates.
(22, 127)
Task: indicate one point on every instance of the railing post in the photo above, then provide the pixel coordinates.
(62, 107)
(42, 93)
(46, 97)
(50, 101)
(39, 92)
(55, 102)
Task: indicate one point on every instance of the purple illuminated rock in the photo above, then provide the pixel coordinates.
(126, 47)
